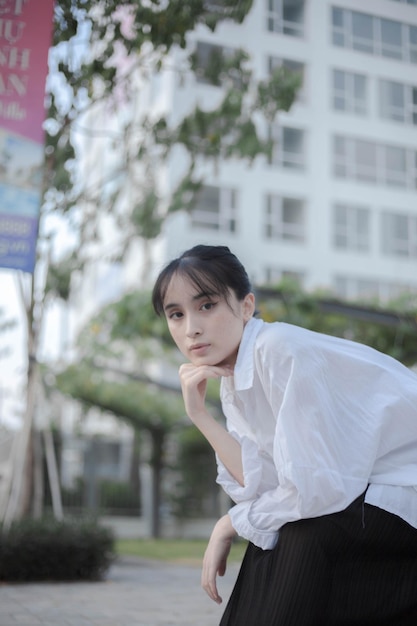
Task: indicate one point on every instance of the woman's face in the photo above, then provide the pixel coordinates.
(206, 328)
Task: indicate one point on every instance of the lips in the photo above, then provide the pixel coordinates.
(199, 347)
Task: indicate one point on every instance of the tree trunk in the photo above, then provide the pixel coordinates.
(38, 475)
(157, 464)
(53, 475)
(21, 488)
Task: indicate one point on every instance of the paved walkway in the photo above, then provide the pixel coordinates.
(135, 593)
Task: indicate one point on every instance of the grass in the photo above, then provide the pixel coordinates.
(173, 550)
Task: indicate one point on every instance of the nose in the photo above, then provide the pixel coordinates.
(193, 327)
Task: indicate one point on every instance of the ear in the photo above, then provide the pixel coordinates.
(248, 306)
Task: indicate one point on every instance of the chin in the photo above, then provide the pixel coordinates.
(211, 362)
(226, 362)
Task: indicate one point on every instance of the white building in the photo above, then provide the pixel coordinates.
(337, 208)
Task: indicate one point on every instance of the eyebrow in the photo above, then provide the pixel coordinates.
(198, 296)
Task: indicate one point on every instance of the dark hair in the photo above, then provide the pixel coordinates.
(213, 269)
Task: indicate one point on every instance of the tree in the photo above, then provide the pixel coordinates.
(130, 330)
(128, 46)
(391, 329)
(104, 55)
(118, 351)
(139, 404)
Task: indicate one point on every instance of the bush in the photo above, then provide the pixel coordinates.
(47, 549)
(118, 497)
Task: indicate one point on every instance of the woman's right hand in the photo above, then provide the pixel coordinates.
(194, 384)
(193, 380)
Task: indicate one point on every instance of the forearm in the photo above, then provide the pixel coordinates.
(193, 383)
(225, 446)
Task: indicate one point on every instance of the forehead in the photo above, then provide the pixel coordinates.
(180, 287)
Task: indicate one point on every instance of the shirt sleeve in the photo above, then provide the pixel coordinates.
(325, 440)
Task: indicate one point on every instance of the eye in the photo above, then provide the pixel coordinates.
(176, 315)
(208, 305)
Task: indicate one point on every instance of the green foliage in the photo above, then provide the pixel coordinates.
(47, 549)
(69, 15)
(196, 468)
(114, 497)
(159, 23)
(175, 550)
(229, 130)
(59, 157)
(165, 24)
(225, 132)
(278, 92)
(127, 323)
(118, 497)
(86, 71)
(6, 324)
(139, 404)
(72, 497)
(183, 198)
(131, 324)
(367, 325)
(145, 216)
(58, 278)
(222, 68)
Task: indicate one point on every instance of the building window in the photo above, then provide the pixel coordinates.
(275, 275)
(296, 67)
(355, 158)
(395, 166)
(374, 35)
(368, 161)
(286, 17)
(284, 219)
(216, 209)
(349, 92)
(351, 227)
(365, 289)
(398, 102)
(208, 63)
(362, 32)
(392, 39)
(353, 288)
(399, 235)
(288, 147)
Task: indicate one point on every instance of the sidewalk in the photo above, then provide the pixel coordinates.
(134, 593)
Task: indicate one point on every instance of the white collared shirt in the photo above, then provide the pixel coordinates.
(319, 419)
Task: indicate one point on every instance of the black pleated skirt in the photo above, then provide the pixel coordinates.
(353, 568)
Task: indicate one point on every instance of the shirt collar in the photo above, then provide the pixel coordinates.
(243, 372)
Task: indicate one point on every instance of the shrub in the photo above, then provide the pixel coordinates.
(118, 497)
(47, 549)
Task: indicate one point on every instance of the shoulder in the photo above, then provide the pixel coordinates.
(278, 345)
(284, 336)
(280, 342)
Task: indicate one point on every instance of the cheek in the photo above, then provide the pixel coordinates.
(175, 334)
(233, 327)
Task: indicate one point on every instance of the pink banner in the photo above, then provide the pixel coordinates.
(25, 39)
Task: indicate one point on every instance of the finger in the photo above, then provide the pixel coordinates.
(204, 371)
(210, 588)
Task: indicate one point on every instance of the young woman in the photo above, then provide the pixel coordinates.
(319, 454)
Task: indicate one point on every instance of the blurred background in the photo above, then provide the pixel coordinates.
(284, 129)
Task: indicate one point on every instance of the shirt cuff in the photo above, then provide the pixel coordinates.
(264, 539)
